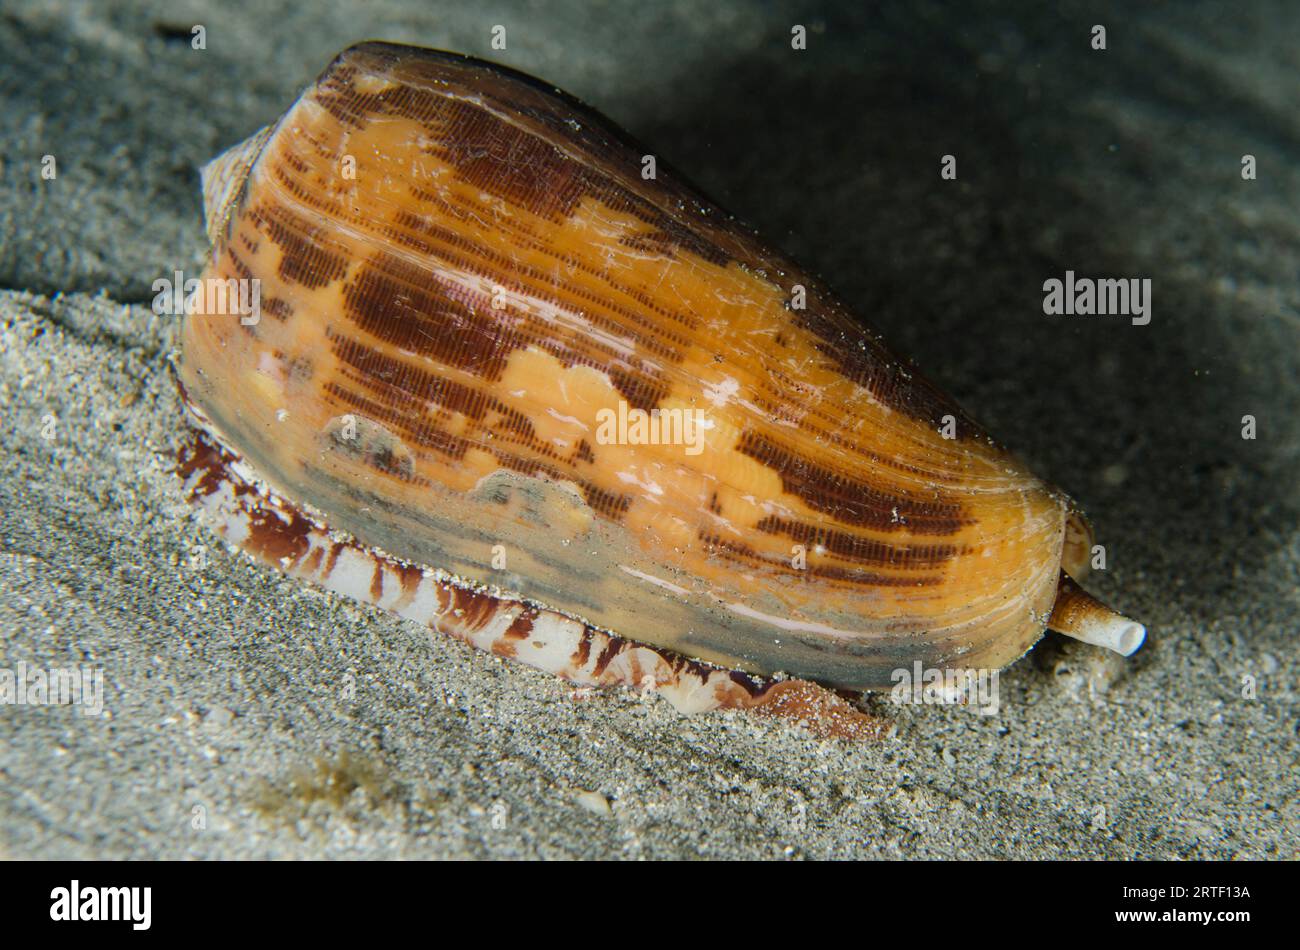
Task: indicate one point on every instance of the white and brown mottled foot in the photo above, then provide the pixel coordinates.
(248, 514)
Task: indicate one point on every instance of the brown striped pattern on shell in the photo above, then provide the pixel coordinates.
(442, 330)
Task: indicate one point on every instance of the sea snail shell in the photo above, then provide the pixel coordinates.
(468, 294)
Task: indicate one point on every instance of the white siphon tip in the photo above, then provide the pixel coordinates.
(1132, 636)
(1078, 614)
(1122, 635)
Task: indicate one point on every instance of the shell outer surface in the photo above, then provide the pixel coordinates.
(489, 344)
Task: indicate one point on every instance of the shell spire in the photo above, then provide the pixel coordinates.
(223, 178)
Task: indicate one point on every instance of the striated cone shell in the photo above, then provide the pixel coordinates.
(464, 273)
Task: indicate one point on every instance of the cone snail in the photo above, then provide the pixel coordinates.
(509, 377)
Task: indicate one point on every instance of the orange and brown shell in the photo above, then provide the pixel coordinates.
(464, 276)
